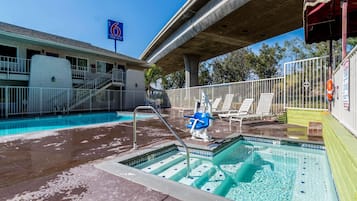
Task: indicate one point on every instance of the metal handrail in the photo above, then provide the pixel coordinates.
(168, 126)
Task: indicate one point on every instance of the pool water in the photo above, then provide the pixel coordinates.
(250, 170)
(20, 126)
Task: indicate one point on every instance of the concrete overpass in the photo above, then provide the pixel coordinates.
(204, 29)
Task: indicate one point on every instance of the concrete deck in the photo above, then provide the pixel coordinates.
(61, 166)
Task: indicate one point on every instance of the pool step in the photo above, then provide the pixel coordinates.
(200, 171)
(164, 164)
(220, 183)
(178, 171)
(214, 181)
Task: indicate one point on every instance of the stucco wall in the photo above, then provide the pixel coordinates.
(49, 72)
(135, 89)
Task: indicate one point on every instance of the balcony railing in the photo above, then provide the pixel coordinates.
(13, 65)
(81, 68)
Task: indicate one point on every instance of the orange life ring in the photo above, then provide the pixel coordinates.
(329, 88)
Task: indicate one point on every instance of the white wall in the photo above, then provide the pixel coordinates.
(346, 117)
(135, 88)
(49, 72)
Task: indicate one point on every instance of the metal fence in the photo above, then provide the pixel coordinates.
(186, 97)
(304, 83)
(301, 87)
(34, 100)
(344, 105)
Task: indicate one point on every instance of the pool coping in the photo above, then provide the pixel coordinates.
(172, 188)
(53, 132)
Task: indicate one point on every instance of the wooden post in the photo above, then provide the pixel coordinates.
(344, 28)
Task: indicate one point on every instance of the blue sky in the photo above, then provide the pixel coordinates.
(86, 20)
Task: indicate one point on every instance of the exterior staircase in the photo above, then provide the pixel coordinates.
(70, 99)
(92, 87)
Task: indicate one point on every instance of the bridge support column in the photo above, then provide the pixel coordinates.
(191, 70)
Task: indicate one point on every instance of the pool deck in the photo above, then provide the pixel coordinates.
(60, 166)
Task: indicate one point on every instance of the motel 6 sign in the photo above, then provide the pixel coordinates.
(115, 30)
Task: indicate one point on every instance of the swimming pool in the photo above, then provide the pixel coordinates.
(248, 170)
(21, 126)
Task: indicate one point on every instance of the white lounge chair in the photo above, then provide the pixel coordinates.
(263, 109)
(243, 110)
(216, 103)
(226, 104)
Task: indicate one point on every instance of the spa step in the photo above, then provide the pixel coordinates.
(179, 170)
(197, 173)
(213, 182)
(314, 129)
(220, 183)
(164, 164)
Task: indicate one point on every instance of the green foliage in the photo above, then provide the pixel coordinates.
(352, 41)
(232, 67)
(283, 118)
(265, 64)
(204, 75)
(152, 74)
(175, 80)
(297, 49)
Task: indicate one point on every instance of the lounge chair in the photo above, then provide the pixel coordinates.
(243, 110)
(263, 109)
(216, 103)
(226, 104)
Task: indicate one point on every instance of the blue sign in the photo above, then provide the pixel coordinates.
(115, 30)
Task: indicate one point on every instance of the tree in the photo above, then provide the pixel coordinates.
(231, 67)
(204, 74)
(175, 80)
(265, 64)
(151, 75)
(297, 49)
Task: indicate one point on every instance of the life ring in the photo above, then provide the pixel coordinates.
(329, 88)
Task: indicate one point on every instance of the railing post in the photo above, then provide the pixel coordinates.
(108, 96)
(40, 101)
(6, 101)
(284, 87)
(68, 103)
(8, 68)
(90, 100)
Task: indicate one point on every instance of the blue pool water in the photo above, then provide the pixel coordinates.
(252, 171)
(20, 126)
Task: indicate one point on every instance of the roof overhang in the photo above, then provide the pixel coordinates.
(322, 20)
(62, 43)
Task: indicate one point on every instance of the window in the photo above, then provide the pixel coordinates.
(108, 67)
(78, 63)
(52, 54)
(104, 67)
(8, 51)
(30, 53)
(121, 67)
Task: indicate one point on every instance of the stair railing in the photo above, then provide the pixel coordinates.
(168, 126)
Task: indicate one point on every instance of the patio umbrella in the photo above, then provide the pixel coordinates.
(322, 20)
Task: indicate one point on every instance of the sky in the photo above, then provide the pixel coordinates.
(86, 20)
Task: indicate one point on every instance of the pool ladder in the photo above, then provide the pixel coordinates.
(167, 125)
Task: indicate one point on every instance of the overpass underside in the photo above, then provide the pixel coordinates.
(206, 29)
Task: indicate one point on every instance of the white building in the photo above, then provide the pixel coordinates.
(45, 73)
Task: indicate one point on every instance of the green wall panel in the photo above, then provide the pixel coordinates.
(341, 147)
